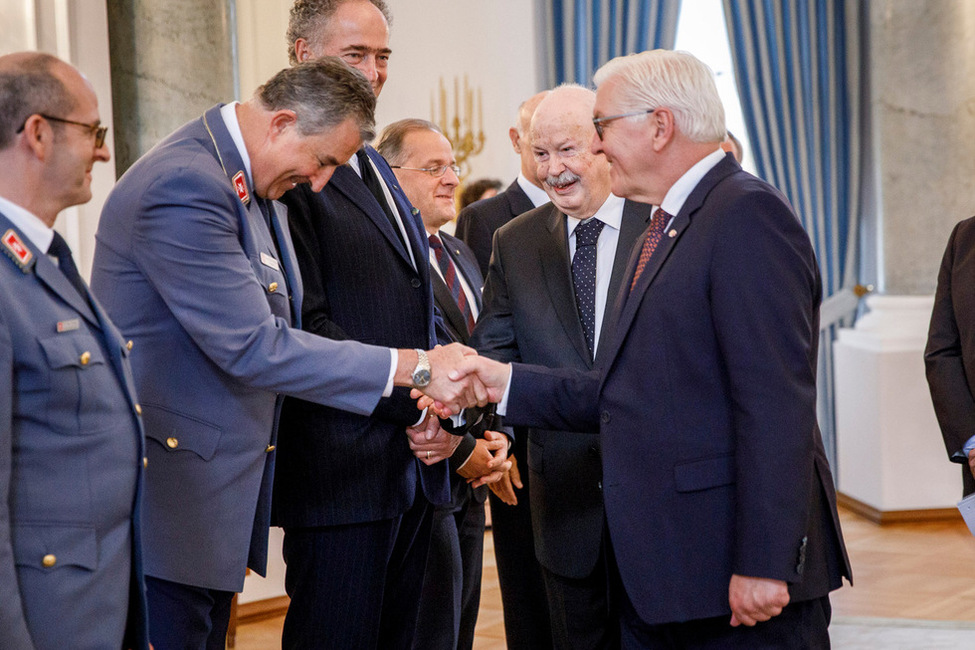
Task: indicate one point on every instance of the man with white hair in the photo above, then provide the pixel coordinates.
(718, 494)
(555, 273)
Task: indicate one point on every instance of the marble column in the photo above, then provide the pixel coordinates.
(922, 68)
(171, 60)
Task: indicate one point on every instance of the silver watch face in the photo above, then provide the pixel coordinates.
(421, 377)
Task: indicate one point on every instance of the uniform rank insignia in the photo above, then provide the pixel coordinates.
(240, 184)
(15, 249)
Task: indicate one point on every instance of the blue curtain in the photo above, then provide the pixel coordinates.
(797, 67)
(584, 34)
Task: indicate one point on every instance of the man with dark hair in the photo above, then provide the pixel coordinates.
(425, 167)
(196, 265)
(355, 504)
(71, 443)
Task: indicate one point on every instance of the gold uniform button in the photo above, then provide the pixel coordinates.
(269, 449)
(49, 560)
(85, 358)
(172, 443)
(145, 461)
(272, 287)
(138, 409)
(128, 346)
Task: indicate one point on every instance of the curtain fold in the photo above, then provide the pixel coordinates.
(797, 67)
(585, 34)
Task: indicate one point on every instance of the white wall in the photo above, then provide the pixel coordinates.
(76, 31)
(492, 43)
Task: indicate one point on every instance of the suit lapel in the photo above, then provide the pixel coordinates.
(467, 267)
(635, 221)
(518, 201)
(286, 250)
(557, 271)
(449, 308)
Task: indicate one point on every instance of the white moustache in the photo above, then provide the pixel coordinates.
(563, 179)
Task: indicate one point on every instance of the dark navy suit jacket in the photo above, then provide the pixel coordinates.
(337, 467)
(477, 222)
(713, 463)
(71, 464)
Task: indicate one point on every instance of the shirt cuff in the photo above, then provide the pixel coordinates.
(393, 358)
(503, 404)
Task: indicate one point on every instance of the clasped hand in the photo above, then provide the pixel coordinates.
(486, 464)
(461, 379)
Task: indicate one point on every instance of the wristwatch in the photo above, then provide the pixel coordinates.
(421, 374)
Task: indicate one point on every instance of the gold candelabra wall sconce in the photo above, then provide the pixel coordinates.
(459, 128)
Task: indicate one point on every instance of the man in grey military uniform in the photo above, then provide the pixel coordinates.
(71, 445)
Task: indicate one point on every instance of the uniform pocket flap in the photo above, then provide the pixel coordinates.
(705, 473)
(49, 547)
(72, 350)
(180, 432)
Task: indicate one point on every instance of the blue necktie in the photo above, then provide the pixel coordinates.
(584, 277)
(60, 249)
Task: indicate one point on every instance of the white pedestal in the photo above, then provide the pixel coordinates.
(890, 452)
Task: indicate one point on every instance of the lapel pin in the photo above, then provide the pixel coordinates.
(240, 185)
(414, 212)
(672, 233)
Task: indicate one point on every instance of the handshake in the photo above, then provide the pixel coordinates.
(459, 379)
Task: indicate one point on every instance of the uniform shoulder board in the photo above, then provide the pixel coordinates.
(14, 247)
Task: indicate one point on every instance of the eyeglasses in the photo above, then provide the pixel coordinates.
(99, 130)
(598, 122)
(436, 172)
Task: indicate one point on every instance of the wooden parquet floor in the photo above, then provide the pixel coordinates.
(912, 570)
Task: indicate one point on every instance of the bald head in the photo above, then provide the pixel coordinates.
(561, 133)
(32, 82)
(519, 136)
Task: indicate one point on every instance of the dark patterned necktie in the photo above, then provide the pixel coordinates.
(452, 280)
(584, 277)
(60, 249)
(654, 234)
(376, 189)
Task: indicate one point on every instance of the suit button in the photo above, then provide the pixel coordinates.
(272, 287)
(128, 346)
(599, 485)
(415, 283)
(605, 417)
(49, 560)
(145, 461)
(85, 358)
(138, 409)
(172, 443)
(269, 449)
(594, 450)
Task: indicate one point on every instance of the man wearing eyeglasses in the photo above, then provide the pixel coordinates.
(555, 274)
(355, 504)
(71, 444)
(719, 498)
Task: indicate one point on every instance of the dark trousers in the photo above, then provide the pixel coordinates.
(356, 586)
(184, 617)
(526, 619)
(801, 626)
(582, 611)
(452, 583)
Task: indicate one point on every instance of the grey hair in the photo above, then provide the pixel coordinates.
(675, 80)
(390, 144)
(323, 93)
(29, 86)
(310, 17)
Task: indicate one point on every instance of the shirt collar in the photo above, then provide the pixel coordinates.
(30, 225)
(610, 213)
(679, 191)
(229, 114)
(535, 194)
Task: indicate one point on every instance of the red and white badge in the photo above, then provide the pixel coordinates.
(16, 248)
(240, 184)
